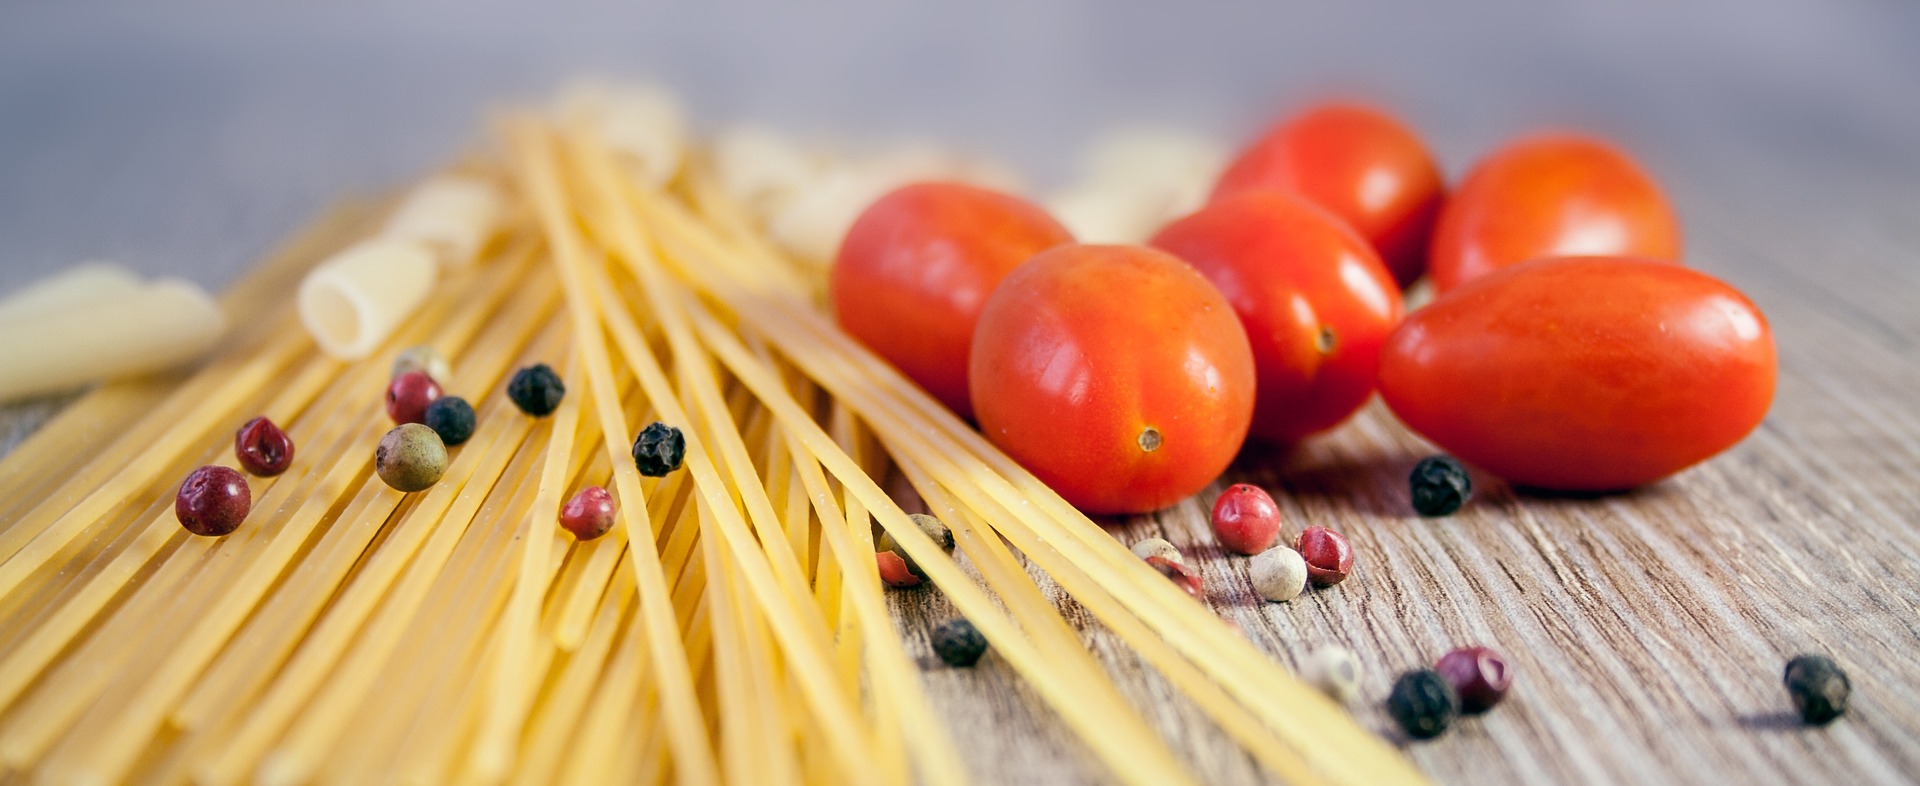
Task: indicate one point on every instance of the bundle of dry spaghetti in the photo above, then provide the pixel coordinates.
(731, 628)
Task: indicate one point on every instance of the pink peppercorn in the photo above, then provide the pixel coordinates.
(1180, 575)
(1478, 674)
(1328, 556)
(262, 448)
(212, 501)
(408, 396)
(1245, 519)
(894, 572)
(589, 514)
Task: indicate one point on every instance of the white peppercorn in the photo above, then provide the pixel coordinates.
(1157, 547)
(1333, 670)
(1279, 574)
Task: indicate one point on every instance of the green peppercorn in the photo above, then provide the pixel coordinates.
(958, 643)
(536, 390)
(1818, 687)
(659, 449)
(411, 457)
(452, 418)
(934, 529)
(1423, 703)
(1440, 486)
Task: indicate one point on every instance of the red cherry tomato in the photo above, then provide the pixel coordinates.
(1585, 374)
(1554, 195)
(1314, 299)
(1245, 520)
(1116, 374)
(915, 268)
(1361, 165)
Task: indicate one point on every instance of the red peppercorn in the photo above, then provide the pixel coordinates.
(1478, 674)
(408, 396)
(1245, 519)
(1180, 575)
(212, 501)
(894, 572)
(1328, 556)
(262, 448)
(589, 514)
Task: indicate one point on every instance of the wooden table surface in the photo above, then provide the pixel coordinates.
(1647, 630)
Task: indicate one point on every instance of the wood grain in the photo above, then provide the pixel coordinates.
(1648, 630)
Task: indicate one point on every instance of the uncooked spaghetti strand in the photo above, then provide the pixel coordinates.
(766, 571)
(511, 687)
(556, 720)
(890, 667)
(693, 754)
(277, 629)
(1132, 752)
(111, 751)
(292, 688)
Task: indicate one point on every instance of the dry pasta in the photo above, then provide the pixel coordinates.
(733, 628)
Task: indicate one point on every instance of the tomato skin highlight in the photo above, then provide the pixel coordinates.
(1115, 374)
(1360, 164)
(915, 268)
(1315, 301)
(1551, 195)
(1583, 374)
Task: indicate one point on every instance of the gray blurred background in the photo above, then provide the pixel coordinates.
(185, 138)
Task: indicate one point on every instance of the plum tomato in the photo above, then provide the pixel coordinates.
(1314, 299)
(1359, 163)
(1551, 195)
(1115, 374)
(916, 267)
(1583, 374)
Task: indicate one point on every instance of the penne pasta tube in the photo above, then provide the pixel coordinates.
(77, 285)
(152, 328)
(355, 298)
(453, 214)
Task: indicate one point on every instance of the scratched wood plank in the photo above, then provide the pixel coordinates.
(1647, 629)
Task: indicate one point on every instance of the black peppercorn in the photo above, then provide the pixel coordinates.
(1423, 703)
(452, 418)
(1818, 687)
(1440, 486)
(958, 643)
(659, 449)
(536, 390)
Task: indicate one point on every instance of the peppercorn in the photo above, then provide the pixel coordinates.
(935, 529)
(1156, 547)
(659, 449)
(212, 501)
(452, 418)
(1278, 574)
(1245, 520)
(262, 448)
(1334, 671)
(1439, 485)
(958, 642)
(1478, 675)
(1328, 556)
(408, 396)
(1423, 704)
(1180, 575)
(589, 514)
(893, 571)
(536, 390)
(426, 359)
(411, 457)
(1818, 687)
